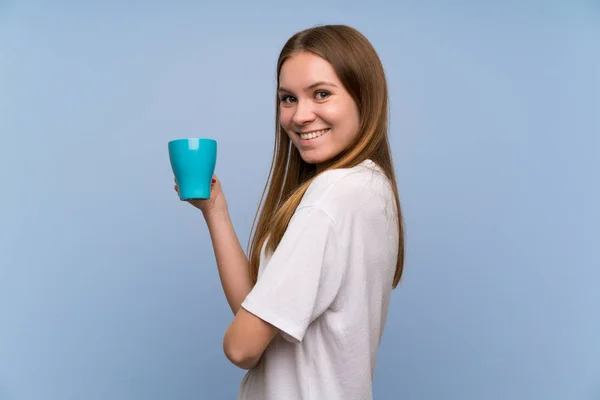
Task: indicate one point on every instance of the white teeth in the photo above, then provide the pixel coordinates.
(312, 135)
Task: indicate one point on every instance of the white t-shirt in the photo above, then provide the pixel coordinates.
(327, 288)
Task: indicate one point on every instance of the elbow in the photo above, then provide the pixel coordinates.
(239, 356)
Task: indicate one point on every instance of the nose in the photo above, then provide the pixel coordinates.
(304, 113)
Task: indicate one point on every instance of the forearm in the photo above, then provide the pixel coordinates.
(232, 263)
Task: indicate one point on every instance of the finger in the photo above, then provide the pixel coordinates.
(176, 188)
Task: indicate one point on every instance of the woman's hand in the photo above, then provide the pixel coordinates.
(216, 203)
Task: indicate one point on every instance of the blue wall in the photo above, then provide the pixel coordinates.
(108, 287)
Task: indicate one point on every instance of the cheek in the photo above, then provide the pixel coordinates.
(285, 117)
(353, 119)
(345, 117)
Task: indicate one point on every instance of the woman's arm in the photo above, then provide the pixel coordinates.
(247, 336)
(232, 263)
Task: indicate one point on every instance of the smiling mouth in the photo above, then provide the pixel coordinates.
(313, 135)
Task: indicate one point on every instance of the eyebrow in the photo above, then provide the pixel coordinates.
(314, 85)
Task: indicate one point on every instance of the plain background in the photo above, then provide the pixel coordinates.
(108, 286)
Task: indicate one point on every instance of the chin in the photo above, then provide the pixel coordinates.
(312, 158)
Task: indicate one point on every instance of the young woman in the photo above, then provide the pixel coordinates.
(311, 301)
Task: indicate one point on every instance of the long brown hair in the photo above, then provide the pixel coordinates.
(359, 68)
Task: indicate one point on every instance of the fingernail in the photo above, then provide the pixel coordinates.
(214, 180)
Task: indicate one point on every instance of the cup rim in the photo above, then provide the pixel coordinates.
(200, 139)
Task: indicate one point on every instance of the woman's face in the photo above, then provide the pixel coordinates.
(315, 110)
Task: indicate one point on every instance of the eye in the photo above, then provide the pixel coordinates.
(321, 94)
(287, 99)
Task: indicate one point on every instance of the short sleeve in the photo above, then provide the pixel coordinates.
(302, 277)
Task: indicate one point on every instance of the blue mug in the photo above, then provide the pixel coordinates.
(193, 162)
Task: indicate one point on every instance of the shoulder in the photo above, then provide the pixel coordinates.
(339, 192)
